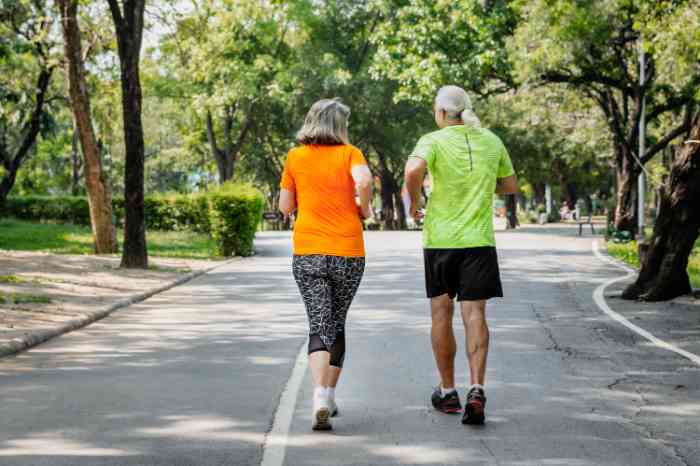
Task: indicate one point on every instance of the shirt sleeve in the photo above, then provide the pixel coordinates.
(287, 181)
(356, 158)
(505, 166)
(424, 150)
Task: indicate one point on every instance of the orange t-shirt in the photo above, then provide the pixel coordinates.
(328, 221)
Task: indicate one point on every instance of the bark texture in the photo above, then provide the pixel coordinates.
(11, 162)
(99, 191)
(226, 155)
(511, 212)
(663, 274)
(128, 22)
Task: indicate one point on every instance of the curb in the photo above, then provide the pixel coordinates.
(30, 340)
(685, 299)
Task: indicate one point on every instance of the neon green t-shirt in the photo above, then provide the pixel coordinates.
(460, 208)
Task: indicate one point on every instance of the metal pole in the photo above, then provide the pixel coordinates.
(641, 182)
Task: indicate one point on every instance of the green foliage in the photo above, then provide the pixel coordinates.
(24, 298)
(426, 44)
(68, 209)
(234, 214)
(627, 252)
(12, 279)
(67, 238)
(231, 214)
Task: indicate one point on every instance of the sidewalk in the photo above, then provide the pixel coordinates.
(43, 295)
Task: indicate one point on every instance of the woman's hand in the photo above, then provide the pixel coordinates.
(365, 212)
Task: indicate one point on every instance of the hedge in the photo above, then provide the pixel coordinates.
(231, 213)
(234, 214)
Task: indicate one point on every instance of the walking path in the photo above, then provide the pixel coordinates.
(193, 376)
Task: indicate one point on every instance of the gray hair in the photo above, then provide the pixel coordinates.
(456, 104)
(326, 124)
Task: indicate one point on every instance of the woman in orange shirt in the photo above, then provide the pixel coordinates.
(320, 181)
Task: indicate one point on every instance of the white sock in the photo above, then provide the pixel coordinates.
(476, 385)
(320, 392)
(446, 391)
(331, 393)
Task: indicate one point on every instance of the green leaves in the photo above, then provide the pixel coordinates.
(424, 45)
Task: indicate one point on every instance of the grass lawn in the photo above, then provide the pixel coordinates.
(19, 235)
(628, 253)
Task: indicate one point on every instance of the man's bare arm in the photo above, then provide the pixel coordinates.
(414, 176)
(507, 185)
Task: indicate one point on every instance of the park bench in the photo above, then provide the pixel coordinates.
(581, 222)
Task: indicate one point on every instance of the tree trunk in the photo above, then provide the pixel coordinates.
(99, 191)
(626, 207)
(75, 163)
(398, 204)
(539, 193)
(663, 274)
(387, 193)
(511, 212)
(129, 26)
(227, 156)
(31, 131)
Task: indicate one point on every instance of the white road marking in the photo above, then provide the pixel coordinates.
(599, 298)
(275, 445)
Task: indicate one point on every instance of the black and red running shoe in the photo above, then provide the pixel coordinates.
(474, 410)
(448, 404)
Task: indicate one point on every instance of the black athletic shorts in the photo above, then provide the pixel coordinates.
(471, 274)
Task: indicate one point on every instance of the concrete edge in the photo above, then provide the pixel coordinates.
(686, 299)
(32, 339)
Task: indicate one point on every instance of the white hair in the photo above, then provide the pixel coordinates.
(456, 104)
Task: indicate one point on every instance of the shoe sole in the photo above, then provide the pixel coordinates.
(450, 410)
(474, 415)
(322, 420)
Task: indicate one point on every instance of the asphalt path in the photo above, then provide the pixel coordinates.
(194, 376)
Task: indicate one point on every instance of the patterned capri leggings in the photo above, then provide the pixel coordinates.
(328, 285)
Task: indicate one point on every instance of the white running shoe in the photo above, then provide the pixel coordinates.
(321, 418)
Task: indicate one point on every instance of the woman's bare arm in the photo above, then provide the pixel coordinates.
(287, 202)
(363, 184)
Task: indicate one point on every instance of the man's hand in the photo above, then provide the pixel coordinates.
(414, 176)
(416, 212)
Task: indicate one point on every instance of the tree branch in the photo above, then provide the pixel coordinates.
(584, 79)
(116, 14)
(663, 142)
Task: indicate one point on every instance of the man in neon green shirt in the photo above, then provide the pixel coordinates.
(467, 165)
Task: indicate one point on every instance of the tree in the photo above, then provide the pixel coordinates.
(128, 23)
(593, 47)
(25, 52)
(663, 274)
(664, 259)
(231, 56)
(336, 61)
(424, 45)
(99, 191)
(554, 137)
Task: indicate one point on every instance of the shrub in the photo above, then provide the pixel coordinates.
(68, 209)
(234, 214)
(235, 210)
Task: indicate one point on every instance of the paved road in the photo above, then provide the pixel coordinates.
(193, 376)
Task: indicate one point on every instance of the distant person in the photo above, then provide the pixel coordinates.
(467, 165)
(320, 180)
